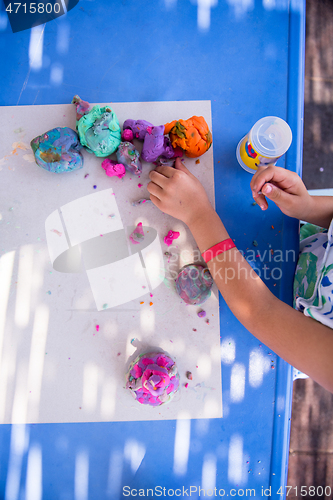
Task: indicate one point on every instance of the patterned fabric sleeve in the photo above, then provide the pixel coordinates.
(313, 283)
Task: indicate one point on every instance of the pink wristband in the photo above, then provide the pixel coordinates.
(221, 247)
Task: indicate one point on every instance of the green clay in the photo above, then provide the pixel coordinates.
(99, 131)
(180, 130)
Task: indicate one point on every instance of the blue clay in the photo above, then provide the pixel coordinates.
(58, 150)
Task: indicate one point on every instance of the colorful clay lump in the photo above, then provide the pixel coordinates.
(138, 128)
(113, 168)
(156, 145)
(172, 235)
(193, 284)
(138, 235)
(58, 150)
(99, 131)
(192, 136)
(153, 378)
(82, 107)
(130, 157)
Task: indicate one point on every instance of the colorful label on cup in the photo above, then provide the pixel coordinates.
(251, 158)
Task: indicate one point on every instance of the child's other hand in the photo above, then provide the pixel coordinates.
(285, 188)
(177, 192)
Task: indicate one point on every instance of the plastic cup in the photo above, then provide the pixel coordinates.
(268, 139)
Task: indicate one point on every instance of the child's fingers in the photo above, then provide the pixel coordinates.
(277, 175)
(180, 166)
(155, 189)
(280, 197)
(155, 200)
(163, 171)
(161, 176)
(262, 175)
(260, 200)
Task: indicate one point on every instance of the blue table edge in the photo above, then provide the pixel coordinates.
(295, 118)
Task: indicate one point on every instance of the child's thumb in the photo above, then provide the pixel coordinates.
(275, 194)
(180, 166)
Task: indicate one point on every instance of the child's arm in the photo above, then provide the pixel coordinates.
(300, 340)
(287, 190)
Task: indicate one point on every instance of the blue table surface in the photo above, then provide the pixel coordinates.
(247, 58)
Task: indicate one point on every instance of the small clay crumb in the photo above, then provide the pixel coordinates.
(202, 314)
(186, 385)
(197, 161)
(194, 329)
(189, 375)
(255, 243)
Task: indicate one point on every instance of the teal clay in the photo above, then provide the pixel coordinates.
(99, 131)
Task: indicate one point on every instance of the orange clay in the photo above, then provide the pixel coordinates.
(192, 135)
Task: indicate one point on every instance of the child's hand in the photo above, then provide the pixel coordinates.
(179, 193)
(285, 188)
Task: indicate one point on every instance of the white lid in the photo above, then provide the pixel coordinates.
(270, 136)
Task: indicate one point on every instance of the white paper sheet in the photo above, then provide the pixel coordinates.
(63, 350)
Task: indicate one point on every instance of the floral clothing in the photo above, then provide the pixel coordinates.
(313, 282)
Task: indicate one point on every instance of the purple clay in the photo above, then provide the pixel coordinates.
(138, 127)
(156, 144)
(130, 157)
